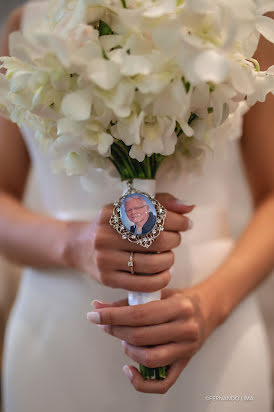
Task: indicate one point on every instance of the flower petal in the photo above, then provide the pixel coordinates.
(77, 105)
(265, 25)
(105, 73)
(211, 66)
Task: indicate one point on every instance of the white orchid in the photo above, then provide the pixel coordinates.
(160, 77)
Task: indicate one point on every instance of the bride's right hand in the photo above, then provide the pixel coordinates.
(96, 249)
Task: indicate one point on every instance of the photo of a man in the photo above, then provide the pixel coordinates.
(137, 211)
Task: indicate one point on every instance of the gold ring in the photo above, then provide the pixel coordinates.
(130, 263)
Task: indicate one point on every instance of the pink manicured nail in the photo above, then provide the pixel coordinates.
(93, 317)
(97, 301)
(182, 202)
(127, 372)
(190, 224)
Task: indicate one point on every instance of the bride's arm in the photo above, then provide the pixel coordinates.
(252, 259)
(20, 227)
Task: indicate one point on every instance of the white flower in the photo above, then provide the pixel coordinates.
(128, 129)
(157, 135)
(77, 105)
(157, 64)
(104, 73)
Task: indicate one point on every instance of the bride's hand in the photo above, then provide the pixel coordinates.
(98, 250)
(178, 324)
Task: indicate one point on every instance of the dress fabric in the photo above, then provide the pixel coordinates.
(56, 361)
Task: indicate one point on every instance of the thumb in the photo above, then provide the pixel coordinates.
(173, 204)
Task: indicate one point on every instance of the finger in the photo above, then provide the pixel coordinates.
(160, 355)
(109, 238)
(168, 292)
(166, 199)
(173, 204)
(100, 304)
(136, 283)
(152, 313)
(158, 386)
(142, 262)
(175, 331)
(176, 223)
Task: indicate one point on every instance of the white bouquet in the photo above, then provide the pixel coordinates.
(122, 85)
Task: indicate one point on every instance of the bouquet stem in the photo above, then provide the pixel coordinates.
(159, 373)
(138, 298)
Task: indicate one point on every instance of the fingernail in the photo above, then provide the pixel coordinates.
(182, 202)
(127, 372)
(96, 301)
(124, 343)
(93, 317)
(101, 327)
(190, 224)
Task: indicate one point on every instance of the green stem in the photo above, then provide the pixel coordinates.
(147, 160)
(125, 170)
(159, 373)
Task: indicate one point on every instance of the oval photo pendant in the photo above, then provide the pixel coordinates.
(138, 217)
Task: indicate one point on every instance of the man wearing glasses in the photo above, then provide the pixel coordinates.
(137, 211)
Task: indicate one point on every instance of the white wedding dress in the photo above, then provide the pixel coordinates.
(55, 361)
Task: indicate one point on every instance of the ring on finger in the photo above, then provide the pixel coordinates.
(130, 263)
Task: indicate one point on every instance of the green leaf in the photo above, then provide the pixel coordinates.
(104, 54)
(186, 84)
(104, 28)
(192, 117)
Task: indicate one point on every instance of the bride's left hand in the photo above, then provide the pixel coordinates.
(178, 324)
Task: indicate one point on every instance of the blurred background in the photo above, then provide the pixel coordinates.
(10, 273)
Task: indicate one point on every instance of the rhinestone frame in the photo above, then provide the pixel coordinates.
(146, 239)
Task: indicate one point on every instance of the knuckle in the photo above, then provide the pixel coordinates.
(163, 389)
(181, 330)
(138, 316)
(178, 239)
(105, 280)
(180, 305)
(154, 263)
(99, 258)
(108, 320)
(195, 331)
(162, 242)
(172, 258)
(98, 238)
(149, 359)
(137, 337)
(185, 307)
(185, 223)
(138, 386)
(166, 278)
(194, 347)
(189, 306)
